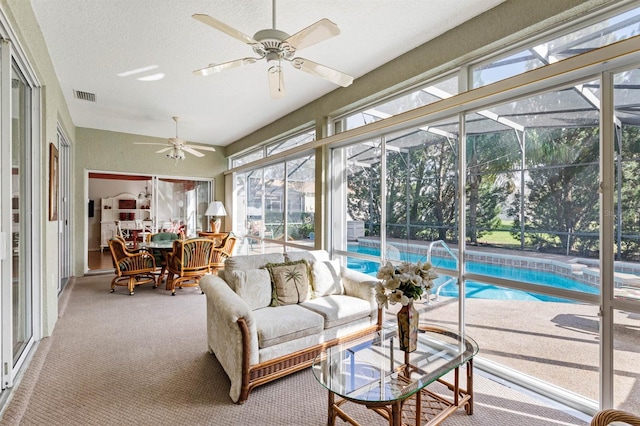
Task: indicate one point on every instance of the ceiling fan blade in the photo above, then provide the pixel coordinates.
(203, 147)
(149, 143)
(192, 151)
(221, 26)
(164, 150)
(313, 34)
(276, 82)
(322, 71)
(211, 69)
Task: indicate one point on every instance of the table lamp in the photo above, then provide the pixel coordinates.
(215, 210)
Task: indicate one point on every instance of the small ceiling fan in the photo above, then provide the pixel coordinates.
(176, 147)
(276, 46)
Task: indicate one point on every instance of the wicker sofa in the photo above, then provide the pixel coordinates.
(257, 342)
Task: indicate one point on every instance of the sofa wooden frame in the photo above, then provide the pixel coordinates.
(265, 372)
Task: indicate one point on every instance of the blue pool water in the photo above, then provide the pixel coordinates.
(476, 289)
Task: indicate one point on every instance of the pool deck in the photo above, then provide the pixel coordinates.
(556, 343)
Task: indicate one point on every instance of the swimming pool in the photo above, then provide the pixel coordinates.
(476, 289)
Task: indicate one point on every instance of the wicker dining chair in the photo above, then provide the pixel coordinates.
(160, 254)
(608, 416)
(217, 237)
(131, 269)
(222, 252)
(188, 262)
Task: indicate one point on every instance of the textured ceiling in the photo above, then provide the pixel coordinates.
(108, 47)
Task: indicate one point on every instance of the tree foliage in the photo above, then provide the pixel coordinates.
(561, 206)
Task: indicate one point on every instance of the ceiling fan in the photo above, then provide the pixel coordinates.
(176, 147)
(276, 46)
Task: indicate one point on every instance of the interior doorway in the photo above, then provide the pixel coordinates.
(120, 203)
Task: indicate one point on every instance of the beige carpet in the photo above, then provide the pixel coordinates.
(116, 359)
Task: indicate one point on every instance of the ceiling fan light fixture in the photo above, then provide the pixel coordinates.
(176, 154)
(176, 148)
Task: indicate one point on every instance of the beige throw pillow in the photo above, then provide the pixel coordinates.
(290, 282)
(326, 278)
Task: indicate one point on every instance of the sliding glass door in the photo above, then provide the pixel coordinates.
(181, 204)
(19, 202)
(21, 282)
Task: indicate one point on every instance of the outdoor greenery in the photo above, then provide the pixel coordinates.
(557, 213)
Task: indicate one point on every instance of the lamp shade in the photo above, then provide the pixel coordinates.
(216, 208)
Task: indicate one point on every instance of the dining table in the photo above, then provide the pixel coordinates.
(163, 248)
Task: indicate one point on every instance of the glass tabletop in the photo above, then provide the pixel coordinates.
(157, 244)
(374, 369)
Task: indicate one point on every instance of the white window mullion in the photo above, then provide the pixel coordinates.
(607, 219)
(462, 225)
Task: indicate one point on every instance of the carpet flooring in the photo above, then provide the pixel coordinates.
(115, 359)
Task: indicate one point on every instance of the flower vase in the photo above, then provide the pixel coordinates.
(408, 327)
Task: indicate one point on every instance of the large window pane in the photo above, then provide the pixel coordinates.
(429, 93)
(255, 209)
(247, 158)
(363, 168)
(421, 189)
(301, 188)
(265, 197)
(627, 177)
(292, 142)
(532, 168)
(603, 33)
(274, 202)
(181, 205)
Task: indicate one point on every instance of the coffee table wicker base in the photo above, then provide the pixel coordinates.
(425, 408)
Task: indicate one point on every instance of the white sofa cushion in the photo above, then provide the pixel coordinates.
(326, 278)
(284, 323)
(254, 287)
(247, 262)
(338, 309)
(308, 255)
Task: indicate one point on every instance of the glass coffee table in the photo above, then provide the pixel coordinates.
(374, 372)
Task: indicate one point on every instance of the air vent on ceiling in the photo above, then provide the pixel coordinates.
(84, 96)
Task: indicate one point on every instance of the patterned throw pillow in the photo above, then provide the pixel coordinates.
(290, 282)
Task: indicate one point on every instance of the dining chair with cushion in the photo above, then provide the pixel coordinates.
(188, 261)
(131, 268)
(159, 254)
(222, 252)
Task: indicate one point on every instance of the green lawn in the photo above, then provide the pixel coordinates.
(500, 237)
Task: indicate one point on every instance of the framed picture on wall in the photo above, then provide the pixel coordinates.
(53, 182)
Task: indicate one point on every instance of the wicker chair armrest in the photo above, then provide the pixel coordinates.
(219, 255)
(224, 336)
(608, 416)
(174, 262)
